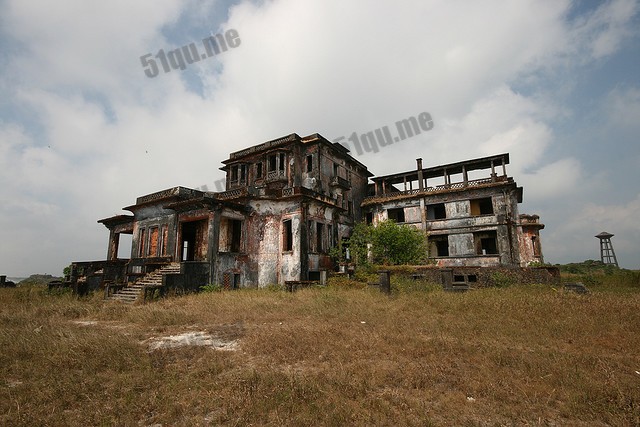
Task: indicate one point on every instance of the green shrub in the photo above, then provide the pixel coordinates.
(211, 287)
(502, 280)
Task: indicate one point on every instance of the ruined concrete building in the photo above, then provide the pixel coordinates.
(289, 201)
(468, 209)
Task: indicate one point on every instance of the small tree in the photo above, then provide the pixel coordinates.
(389, 243)
(359, 243)
(398, 244)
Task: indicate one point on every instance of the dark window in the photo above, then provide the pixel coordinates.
(458, 278)
(442, 248)
(436, 211)
(141, 242)
(309, 163)
(482, 206)
(234, 173)
(396, 214)
(287, 236)
(486, 243)
(282, 160)
(320, 237)
(335, 169)
(369, 217)
(259, 170)
(273, 161)
(236, 235)
(439, 246)
(314, 275)
(472, 278)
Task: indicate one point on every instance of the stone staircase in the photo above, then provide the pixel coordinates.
(135, 291)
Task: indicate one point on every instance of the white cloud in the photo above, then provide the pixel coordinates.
(95, 133)
(602, 32)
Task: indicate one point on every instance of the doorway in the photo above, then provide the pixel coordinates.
(194, 240)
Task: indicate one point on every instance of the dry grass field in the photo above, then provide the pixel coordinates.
(342, 355)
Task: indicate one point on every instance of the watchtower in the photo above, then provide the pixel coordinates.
(607, 255)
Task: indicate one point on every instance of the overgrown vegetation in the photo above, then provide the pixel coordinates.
(387, 243)
(342, 355)
(38, 279)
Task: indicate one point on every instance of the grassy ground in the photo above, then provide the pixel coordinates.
(520, 355)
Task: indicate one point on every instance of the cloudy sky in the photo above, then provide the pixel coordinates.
(84, 131)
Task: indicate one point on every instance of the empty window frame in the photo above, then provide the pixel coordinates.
(230, 235)
(141, 242)
(436, 211)
(486, 243)
(320, 247)
(165, 239)
(536, 246)
(276, 162)
(259, 170)
(369, 218)
(238, 174)
(272, 162)
(482, 206)
(287, 236)
(439, 245)
(309, 163)
(396, 214)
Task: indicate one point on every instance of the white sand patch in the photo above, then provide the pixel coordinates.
(192, 338)
(85, 322)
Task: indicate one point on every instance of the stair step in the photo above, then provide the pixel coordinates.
(134, 291)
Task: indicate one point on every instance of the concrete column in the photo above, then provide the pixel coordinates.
(112, 250)
(420, 176)
(385, 281)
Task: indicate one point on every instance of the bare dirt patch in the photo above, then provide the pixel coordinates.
(191, 339)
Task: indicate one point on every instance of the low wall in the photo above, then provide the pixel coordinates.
(481, 277)
(192, 276)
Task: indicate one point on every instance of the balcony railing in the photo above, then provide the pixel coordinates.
(444, 187)
(339, 182)
(232, 194)
(277, 175)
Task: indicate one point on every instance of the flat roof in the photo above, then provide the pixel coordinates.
(451, 168)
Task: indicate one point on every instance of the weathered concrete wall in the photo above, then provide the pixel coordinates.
(464, 226)
(461, 244)
(491, 275)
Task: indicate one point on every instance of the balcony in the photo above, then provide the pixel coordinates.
(277, 175)
(439, 188)
(232, 194)
(337, 181)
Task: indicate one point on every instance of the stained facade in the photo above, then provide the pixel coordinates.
(469, 211)
(289, 201)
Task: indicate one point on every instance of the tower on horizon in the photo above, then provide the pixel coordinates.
(607, 255)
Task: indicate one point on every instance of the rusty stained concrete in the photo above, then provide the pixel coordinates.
(312, 192)
(477, 220)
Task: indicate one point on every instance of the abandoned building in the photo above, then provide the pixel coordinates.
(290, 200)
(469, 211)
